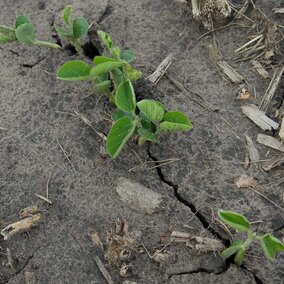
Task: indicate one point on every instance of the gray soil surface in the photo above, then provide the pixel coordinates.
(37, 114)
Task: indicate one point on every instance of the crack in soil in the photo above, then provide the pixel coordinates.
(24, 266)
(202, 220)
(27, 65)
(107, 12)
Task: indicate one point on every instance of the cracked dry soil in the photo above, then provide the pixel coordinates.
(34, 112)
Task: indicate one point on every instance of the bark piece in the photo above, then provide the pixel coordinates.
(271, 90)
(273, 163)
(252, 150)
(259, 117)
(270, 142)
(260, 69)
(138, 197)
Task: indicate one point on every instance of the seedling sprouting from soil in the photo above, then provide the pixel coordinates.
(22, 32)
(151, 120)
(106, 73)
(73, 30)
(269, 244)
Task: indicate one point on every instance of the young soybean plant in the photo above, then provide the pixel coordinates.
(151, 120)
(73, 30)
(22, 32)
(269, 244)
(106, 73)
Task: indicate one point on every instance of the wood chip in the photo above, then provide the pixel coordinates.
(281, 131)
(138, 197)
(21, 226)
(278, 10)
(246, 181)
(259, 117)
(276, 161)
(270, 142)
(103, 270)
(160, 71)
(260, 69)
(252, 150)
(229, 72)
(271, 90)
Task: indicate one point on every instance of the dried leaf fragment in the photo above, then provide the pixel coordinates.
(21, 226)
(96, 240)
(28, 211)
(246, 181)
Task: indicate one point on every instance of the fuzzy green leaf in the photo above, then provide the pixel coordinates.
(22, 20)
(6, 30)
(131, 73)
(105, 67)
(175, 121)
(25, 33)
(102, 87)
(7, 37)
(235, 220)
(240, 256)
(119, 134)
(127, 55)
(80, 27)
(147, 135)
(117, 114)
(103, 59)
(106, 39)
(152, 110)
(74, 70)
(271, 246)
(125, 97)
(63, 32)
(66, 14)
(232, 249)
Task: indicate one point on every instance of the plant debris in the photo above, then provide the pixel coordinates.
(260, 69)
(259, 117)
(270, 142)
(252, 150)
(275, 161)
(21, 226)
(246, 181)
(28, 211)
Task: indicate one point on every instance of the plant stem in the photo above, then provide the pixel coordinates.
(77, 45)
(47, 44)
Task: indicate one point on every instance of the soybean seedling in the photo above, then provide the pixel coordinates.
(22, 32)
(73, 30)
(151, 120)
(269, 244)
(106, 73)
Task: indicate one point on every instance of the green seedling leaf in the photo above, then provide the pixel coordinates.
(102, 87)
(239, 258)
(6, 30)
(22, 20)
(103, 59)
(119, 134)
(106, 39)
(236, 246)
(235, 220)
(125, 97)
(25, 33)
(152, 110)
(119, 114)
(80, 27)
(63, 32)
(149, 125)
(118, 77)
(74, 70)
(7, 34)
(175, 121)
(131, 73)
(105, 67)
(271, 246)
(66, 14)
(147, 135)
(127, 55)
